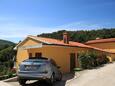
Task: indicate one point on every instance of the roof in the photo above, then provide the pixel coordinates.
(50, 41)
(100, 41)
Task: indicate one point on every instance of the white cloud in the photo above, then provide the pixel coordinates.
(80, 26)
(13, 31)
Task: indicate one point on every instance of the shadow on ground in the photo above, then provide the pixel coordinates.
(58, 83)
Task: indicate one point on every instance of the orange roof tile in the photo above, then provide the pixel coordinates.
(60, 42)
(100, 41)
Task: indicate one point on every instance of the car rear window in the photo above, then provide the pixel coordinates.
(36, 61)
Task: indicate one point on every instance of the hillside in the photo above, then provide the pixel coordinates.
(6, 50)
(7, 57)
(83, 36)
(4, 44)
(7, 53)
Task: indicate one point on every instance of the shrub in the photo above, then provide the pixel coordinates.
(6, 69)
(91, 60)
(3, 70)
(10, 74)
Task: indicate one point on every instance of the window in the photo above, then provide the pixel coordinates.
(38, 54)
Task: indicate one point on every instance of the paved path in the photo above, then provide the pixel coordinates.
(42, 83)
(4, 84)
(104, 76)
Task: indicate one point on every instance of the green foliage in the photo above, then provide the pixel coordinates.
(6, 58)
(7, 54)
(82, 36)
(77, 69)
(6, 72)
(56, 35)
(9, 64)
(10, 74)
(5, 44)
(3, 70)
(91, 60)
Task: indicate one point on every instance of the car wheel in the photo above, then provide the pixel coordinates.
(22, 81)
(52, 79)
(60, 77)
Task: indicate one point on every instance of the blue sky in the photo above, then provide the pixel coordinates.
(19, 18)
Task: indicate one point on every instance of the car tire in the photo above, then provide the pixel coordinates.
(60, 78)
(52, 79)
(22, 82)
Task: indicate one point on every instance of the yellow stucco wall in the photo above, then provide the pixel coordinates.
(112, 56)
(28, 42)
(22, 54)
(61, 54)
(109, 46)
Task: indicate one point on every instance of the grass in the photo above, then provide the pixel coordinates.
(78, 69)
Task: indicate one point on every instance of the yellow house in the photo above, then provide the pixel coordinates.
(105, 44)
(64, 52)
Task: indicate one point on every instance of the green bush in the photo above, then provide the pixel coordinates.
(90, 60)
(7, 54)
(6, 73)
(6, 70)
(3, 70)
(10, 74)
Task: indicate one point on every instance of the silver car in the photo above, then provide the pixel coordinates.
(39, 69)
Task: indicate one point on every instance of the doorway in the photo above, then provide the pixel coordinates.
(72, 61)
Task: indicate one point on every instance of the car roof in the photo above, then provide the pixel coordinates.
(37, 59)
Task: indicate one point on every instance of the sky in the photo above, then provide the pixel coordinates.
(19, 18)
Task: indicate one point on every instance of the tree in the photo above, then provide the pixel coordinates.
(7, 54)
(82, 36)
